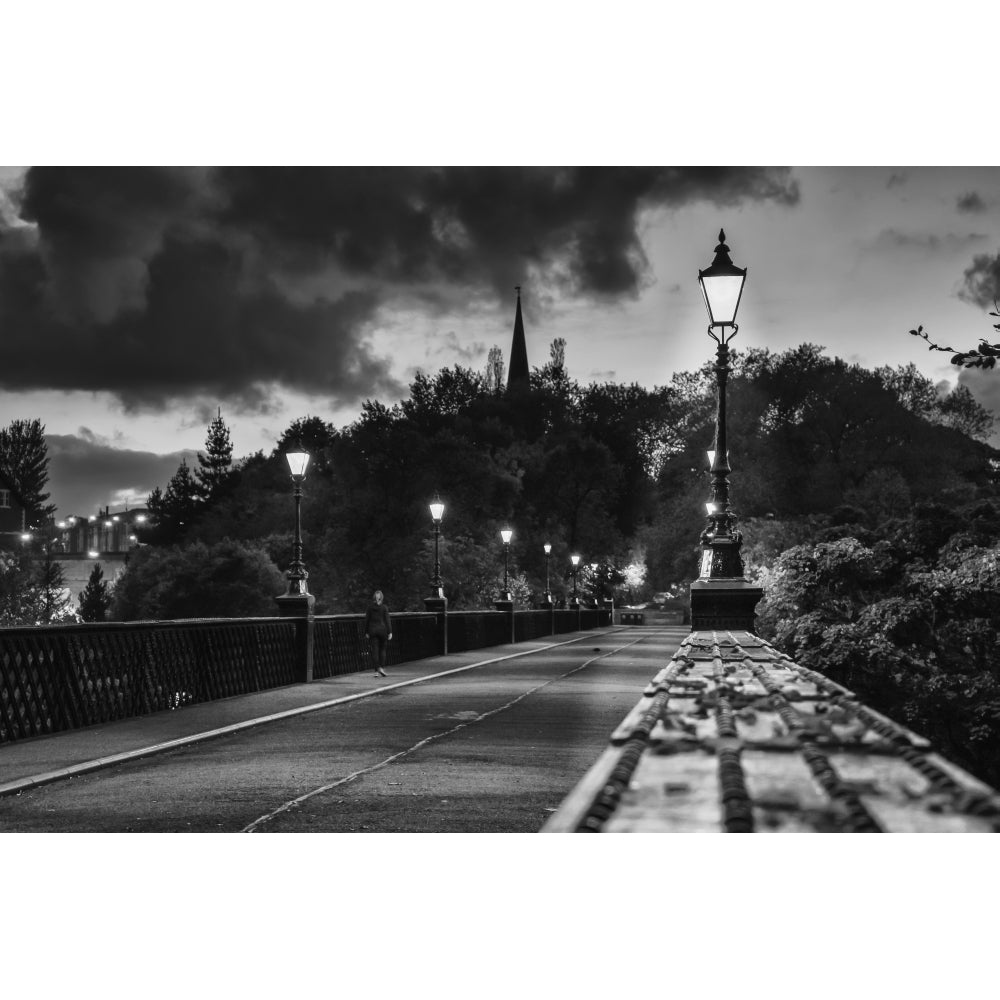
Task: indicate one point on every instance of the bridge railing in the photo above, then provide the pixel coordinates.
(59, 677)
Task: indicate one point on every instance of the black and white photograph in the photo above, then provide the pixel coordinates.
(404, 474)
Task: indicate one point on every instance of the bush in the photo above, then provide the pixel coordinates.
(226, 580)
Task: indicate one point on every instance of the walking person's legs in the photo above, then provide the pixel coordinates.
(378, 654)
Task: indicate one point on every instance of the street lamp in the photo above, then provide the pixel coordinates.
(437, 513)
(575, 560)
(506, 534)
(722, 597)
(547, 599)
(297, 575)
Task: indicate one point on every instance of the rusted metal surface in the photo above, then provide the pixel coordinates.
(733, 736)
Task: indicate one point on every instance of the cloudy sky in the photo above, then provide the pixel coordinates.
(134, 301)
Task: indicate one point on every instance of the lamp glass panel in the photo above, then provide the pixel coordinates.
(437, 510)
(506, 534)
(297, 462)
(722, 296)
(548, 548)
(575, 560)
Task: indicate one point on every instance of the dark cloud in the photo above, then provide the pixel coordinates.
(897, 178)
(82, 465)
(894, 238)
(981, 280)
(971, 202)
(227, 284)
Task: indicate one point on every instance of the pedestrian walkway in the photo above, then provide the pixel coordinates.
(28, 763)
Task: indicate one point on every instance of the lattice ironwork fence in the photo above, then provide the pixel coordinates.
(476, 629)
(67, 676)
(342, 648)
(59, 677)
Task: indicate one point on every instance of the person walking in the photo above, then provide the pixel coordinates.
(378, 628)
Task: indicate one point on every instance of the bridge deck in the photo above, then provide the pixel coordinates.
(734, 736)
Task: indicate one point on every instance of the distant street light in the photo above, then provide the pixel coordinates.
(437, 513)
(296, 602)
(575, 560)
(722, 597)
(506, 534)
(297, 575)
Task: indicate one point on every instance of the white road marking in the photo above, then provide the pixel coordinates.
(292, 803)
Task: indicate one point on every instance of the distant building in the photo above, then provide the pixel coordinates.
(518, 375)
(13, 514)
(102, 534)
(107, 537)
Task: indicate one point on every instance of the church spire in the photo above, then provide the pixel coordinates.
(518, 370)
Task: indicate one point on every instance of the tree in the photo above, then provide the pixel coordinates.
(214, 474)
(227, 580)
(53, 594)
(175, 508)
(24, 460)
(95, 598)
(313, 435)
(32, 589)
(984, 357)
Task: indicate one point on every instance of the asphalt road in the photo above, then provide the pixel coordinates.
(492, 749)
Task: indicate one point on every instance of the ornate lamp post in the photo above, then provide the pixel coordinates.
(722, 597)
(547, 598)
(506, 601)
(297, 575)
(297, 602)
(574, 600)
(506, 534)
(437, 602)
(437, 513)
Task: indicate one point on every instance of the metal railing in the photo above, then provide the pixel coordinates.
(59, 677)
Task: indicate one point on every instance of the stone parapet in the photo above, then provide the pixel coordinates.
(734, 736)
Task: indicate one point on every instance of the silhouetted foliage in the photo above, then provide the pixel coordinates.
(24, 460)
(214, 474)
(95, 598)
(229, 579)
(985, 356)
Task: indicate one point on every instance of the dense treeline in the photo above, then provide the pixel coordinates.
(615, 472)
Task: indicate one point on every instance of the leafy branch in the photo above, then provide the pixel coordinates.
(983, 357)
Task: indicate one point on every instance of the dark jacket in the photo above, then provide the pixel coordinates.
(377, 621)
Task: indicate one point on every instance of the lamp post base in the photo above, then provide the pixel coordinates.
(439, 606)
(300, 606)
(724, 604)
(295, 605)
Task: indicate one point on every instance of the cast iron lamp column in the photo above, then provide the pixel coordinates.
(547, 599)
(574, 600)
(506, 534)
(437, 513)
(437, 602)
(722, 597)
(506, 601)
(297, 602)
